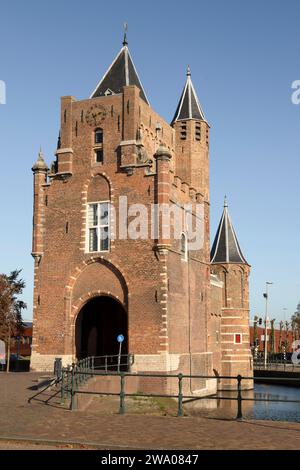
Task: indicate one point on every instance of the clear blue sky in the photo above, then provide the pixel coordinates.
(244, 55)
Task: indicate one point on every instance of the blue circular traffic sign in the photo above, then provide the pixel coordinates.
(120, 338)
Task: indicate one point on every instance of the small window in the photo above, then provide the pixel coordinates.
(198, 132)
(98, 226)
(183, 248)
(98, 136)
(183, 131)
(237, 338)
(99, 155)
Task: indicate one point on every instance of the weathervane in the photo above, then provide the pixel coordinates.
(125, 34)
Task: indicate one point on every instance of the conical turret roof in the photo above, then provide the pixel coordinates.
(189, 105)
(122, 72)
(226, 248)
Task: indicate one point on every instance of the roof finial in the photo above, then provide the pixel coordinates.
(188, 71)
(41, 156)
(225, 201)
(125, 43)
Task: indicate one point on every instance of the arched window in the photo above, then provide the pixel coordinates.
(184, 247)
(98, 136)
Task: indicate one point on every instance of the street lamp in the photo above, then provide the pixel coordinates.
(284, 311)
(266, 323)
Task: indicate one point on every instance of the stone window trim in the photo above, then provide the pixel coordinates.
(97, 227)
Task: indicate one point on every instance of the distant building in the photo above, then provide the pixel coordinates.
(21, 345)
(281, 338)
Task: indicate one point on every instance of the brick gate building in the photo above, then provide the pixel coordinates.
(178, 311)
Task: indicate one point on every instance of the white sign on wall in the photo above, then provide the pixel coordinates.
(262, 338)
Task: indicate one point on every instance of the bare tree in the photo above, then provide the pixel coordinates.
(295, 320)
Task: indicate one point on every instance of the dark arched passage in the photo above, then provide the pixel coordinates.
(98, 324)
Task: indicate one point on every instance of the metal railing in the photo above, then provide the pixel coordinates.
(113, 362)
(277, 366)
(278, 361)
(73, 376)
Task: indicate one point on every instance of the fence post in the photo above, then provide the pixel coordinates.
(180, 410)
(78, 373)
(93, 366)
(129, 362)
(239, 398)
(81, 376)
(68, 381)
(122, 394)
(106, 364)
(62, 390)
(76, 376)
(72, 406)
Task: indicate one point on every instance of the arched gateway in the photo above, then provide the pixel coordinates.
(98, 324)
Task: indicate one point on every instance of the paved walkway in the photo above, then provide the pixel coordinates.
(18, 419)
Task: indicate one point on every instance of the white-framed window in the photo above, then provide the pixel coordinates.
(98, 226)
(238, 338)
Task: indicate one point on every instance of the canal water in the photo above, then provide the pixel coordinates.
(252, 408)
(281, 411)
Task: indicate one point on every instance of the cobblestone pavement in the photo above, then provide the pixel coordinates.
(9, 445)
(51, 423)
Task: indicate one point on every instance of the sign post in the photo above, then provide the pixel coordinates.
(120, 339)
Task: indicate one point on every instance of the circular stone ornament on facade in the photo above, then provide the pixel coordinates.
(95, 115)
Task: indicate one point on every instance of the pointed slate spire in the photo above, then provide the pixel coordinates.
(189, 105)
(122, 72)
(226, 248)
